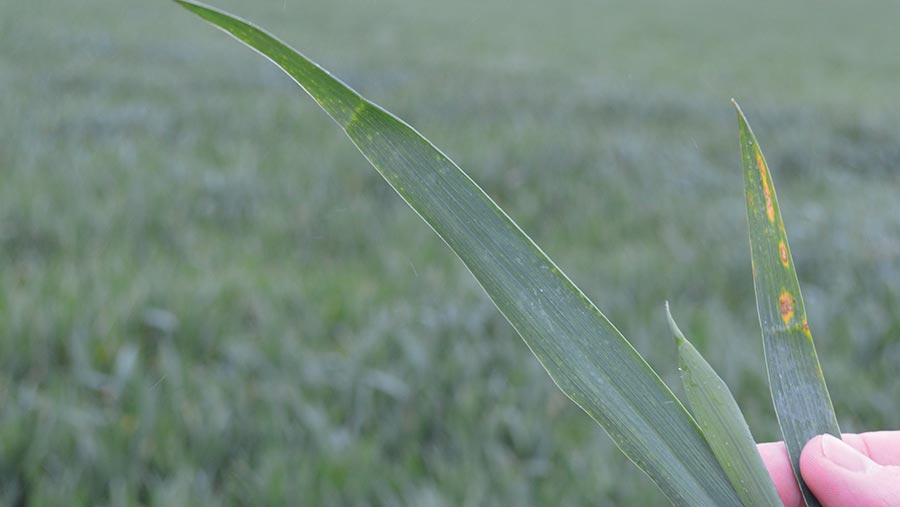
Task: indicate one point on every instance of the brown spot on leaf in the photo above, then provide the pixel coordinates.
(786, 306)
(783, 253)
(764, 178)
(806, 328)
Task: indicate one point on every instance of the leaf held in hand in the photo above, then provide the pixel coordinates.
(799, 393)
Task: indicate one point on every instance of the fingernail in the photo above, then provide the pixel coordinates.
(843, 455)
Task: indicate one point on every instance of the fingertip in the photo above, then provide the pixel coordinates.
(840, 475)
(775, 457)
(812, 451)
(819, 473)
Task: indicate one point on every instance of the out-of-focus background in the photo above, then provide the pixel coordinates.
(209, 298)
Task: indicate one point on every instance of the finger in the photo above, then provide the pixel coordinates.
(840, 475)
(775, 457)
(883, 447)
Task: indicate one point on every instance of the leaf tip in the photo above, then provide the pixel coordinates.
(679, 336)
(742, 119)
(194, 6)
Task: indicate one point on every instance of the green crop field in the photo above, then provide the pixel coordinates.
(210, 298)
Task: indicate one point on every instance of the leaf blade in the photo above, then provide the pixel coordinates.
(723, 425)
(581, 350)
(799, 393)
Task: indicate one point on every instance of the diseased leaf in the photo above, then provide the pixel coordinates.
(723, 425)
(799, 393)
(585, 355)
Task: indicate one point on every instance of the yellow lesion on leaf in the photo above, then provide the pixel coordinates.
(767, 193)
(786, 306)
(806, 329)
(783, 254)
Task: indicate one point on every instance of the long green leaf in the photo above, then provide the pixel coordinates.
(585, 355)
(723, 425)
(799, 393)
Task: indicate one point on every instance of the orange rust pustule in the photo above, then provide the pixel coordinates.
(806, 328)
(783, 254)
(786, 306)
(764, 177)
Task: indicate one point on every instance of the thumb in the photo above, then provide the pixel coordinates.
(839, 475)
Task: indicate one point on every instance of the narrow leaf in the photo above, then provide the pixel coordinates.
(723, 425)
(585, 355)
(799, 393)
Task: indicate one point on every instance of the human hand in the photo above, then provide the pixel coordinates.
(861, 471)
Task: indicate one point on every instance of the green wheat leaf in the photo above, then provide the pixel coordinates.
(799, 393)
(723, 425)
(585, 355)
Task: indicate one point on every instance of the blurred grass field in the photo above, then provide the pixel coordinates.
(209, 298)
